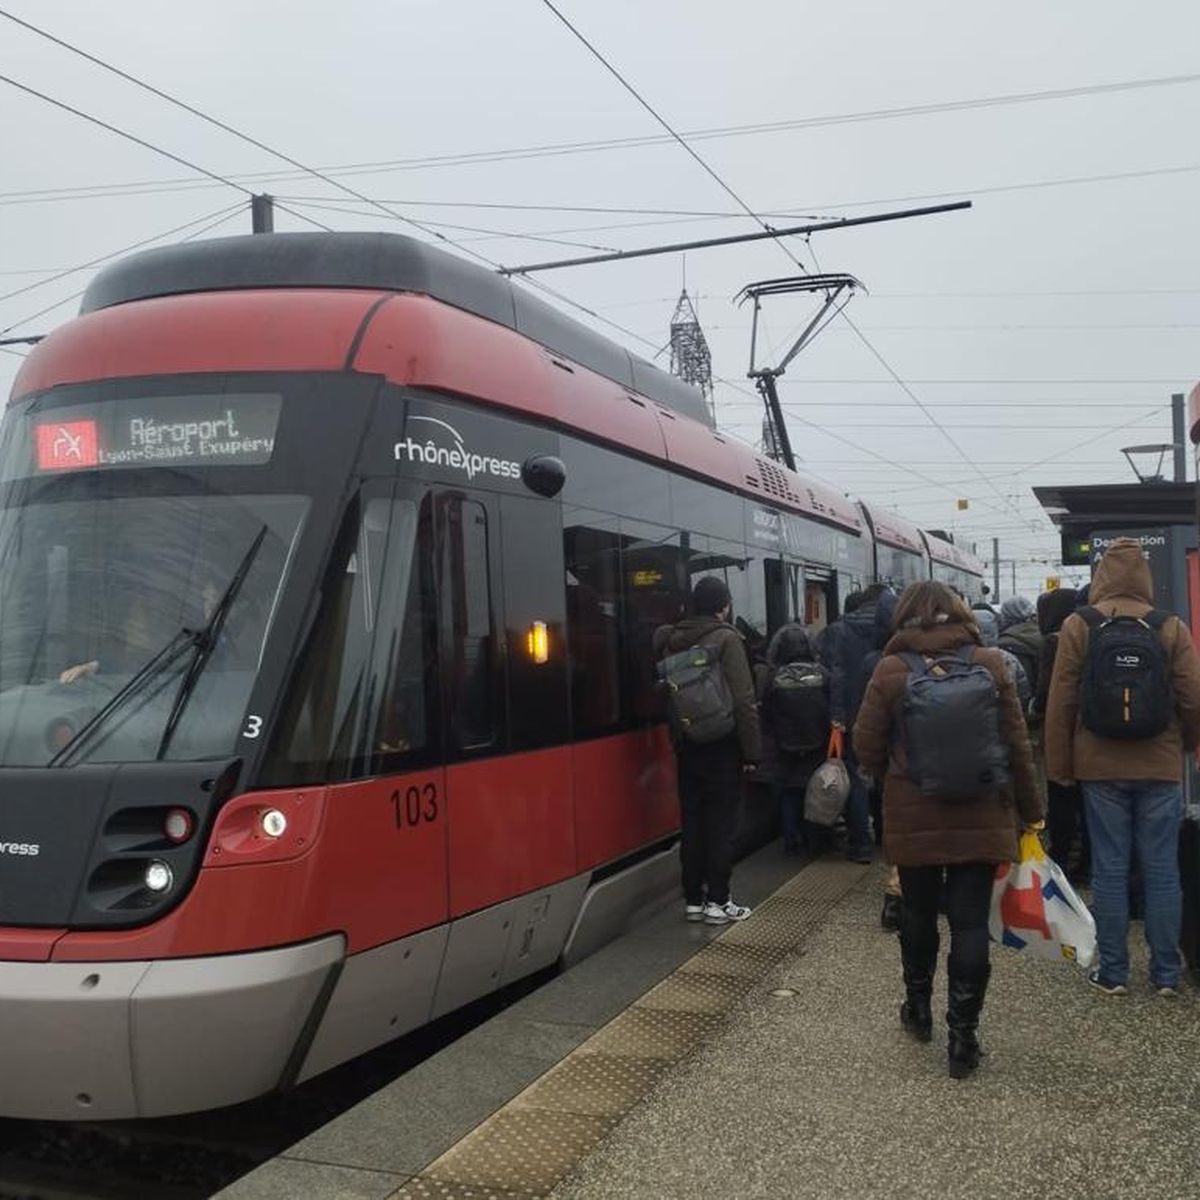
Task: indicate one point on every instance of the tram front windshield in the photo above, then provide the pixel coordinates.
(134, 605)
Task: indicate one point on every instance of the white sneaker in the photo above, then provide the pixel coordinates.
(722, 914)
(694, 912)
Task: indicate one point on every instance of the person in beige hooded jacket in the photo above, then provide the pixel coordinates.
(1133, 798)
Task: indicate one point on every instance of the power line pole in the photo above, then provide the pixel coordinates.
(1179, 437)
(691, 360)
(262, 214)
(996, 568)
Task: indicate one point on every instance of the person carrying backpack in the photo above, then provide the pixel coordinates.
(715, 729)
(1021, 637)
(1065, 824)
(794, 708)
(847, 646)
(1124, 708)
(941, 725)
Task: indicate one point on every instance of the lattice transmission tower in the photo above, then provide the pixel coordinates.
(690, 357)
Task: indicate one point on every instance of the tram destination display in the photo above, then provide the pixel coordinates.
(178, 431)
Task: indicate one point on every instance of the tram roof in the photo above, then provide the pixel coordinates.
(948, 554)
(388, 262)
(893, 530)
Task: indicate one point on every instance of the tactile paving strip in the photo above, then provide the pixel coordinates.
(654, 1033)
(687, 991)
(725, 958)
(424, 1188)
(534, 1141)
(520, 1150)
(599, 1085)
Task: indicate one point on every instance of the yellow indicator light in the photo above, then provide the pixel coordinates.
(646, 578)
(537, 641)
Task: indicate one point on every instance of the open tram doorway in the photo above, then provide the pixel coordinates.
(820, 598)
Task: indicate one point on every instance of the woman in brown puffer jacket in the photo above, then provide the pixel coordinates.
(944, 842)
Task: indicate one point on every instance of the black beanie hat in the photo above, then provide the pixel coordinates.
(709, 596)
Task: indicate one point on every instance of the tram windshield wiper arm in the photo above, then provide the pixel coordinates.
(205, 641)
(173, 650)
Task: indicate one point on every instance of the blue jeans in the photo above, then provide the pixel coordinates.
(858, 808)
(1143, 817)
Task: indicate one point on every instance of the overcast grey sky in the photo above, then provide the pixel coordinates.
(1044, 329)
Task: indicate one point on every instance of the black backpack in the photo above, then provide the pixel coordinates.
(951, 727)
(699, 701)
(798, 702)
(1025, 655)
(1126, 689)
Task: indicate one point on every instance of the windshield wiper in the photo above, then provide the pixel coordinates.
(161, 662)
(205, 641)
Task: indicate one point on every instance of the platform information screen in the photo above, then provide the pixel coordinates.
(223, 429)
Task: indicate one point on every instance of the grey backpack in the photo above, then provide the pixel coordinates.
(951, 727)
(699, 702)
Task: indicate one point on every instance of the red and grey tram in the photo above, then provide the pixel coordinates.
(329, 566)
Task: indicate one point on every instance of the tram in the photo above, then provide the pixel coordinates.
(329, 566)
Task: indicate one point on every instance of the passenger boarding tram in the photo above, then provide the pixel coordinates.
(329, 567)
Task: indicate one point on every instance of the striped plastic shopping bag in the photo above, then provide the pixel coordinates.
(1036, 911)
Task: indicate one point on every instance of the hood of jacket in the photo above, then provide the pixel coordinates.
(934, 639)
(885, 610)
(1123, 574)
(1014, 611)
(791, 643)
(862, 621)
(1053, 608)
(671, 639)
(989, 625)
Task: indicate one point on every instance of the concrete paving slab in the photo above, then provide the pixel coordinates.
(411, 1121)
(286, 1179)
(820, 1094)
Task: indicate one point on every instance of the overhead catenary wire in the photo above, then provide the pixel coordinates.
(528, 237)
(591, 312)
(675, 136)
(503, 154)
(750, 212)
(41, 312)
(220, 216)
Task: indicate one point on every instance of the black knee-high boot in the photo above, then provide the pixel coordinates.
(965, 992)
(918, 956)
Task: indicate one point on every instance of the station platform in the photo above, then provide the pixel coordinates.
(766, 1059)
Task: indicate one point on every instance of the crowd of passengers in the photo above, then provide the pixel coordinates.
(1109, 800)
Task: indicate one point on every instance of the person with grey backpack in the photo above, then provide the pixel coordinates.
(942, 726)
(715, 730)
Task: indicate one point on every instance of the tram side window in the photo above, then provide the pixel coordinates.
(400, 675)
(592, 558)
(360, 698)
(467, 611)
(653, 594)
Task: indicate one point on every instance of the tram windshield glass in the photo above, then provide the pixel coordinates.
(133, 619)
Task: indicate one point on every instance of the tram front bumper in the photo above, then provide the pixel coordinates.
(108, 1040)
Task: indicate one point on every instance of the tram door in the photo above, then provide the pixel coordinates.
(820, 597)
(501, 615)
(785, 594)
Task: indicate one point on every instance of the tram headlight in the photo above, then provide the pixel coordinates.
(537, 642)
(274, 823)
(158, 877)
(178, 825)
